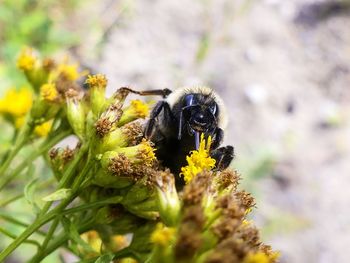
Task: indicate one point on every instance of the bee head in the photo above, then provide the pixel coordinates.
(199, 113)
(197, 110)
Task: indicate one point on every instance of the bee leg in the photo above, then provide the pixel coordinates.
(217, 138)
(161, 105)
(223, 157)
(157, 92)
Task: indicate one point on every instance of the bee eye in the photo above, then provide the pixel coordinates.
(212, 108)
(189, 100)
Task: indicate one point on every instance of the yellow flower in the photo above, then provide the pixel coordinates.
(93, 239)
(141, 109)
(146, 151)
(258, 257)
(261, 257)
(198, 161)
(16, 102)
(162, 235)
(49, 92)
(98, 80)
(43, 129)
(69, 71)
(26, 59)
(142, 153)
(137, 109)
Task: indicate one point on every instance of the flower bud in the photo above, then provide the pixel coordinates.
(129, 134)
(146, 209)
(59, 158)
(142, 153)
(168, 200)
(76, 116)
(33, 70)
(115, 173)
(139, 192)
(46, 105)
(162, 235)
(97, 85)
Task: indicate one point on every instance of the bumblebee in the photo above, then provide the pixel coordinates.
(177, 121)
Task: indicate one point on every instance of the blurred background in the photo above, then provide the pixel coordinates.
(282, 67)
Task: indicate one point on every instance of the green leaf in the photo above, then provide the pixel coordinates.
(29, 190)
(58, 195)
(106, 258)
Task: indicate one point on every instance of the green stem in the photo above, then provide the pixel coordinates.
(20, 142)
(59, 241)
(113, 200)
(13, 236)
(50, 233)
(39, 222)
(10, 200)
(43, 218)
(15, 221)
(45, 146)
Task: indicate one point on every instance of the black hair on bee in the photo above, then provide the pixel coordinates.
(177, 121)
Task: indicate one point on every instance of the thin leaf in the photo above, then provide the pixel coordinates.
(29, 190)
(58, 195)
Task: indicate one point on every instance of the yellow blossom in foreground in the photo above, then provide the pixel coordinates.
(16, 102)
(162, 235)
(49, 92)
(43, 129)
(26, 59)
(198, 160)
(98, 80)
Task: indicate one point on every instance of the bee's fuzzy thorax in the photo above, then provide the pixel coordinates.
(175, 96)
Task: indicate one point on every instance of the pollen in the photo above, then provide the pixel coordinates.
(162, 235)
(98, 80)
(43, 129)
(16, 102)
(26, 59)
(49, 92)
(198, 161)
(141, 109)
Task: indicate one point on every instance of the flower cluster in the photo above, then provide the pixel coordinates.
(126, 205)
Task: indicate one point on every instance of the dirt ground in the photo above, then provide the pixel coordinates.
(282, 67)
